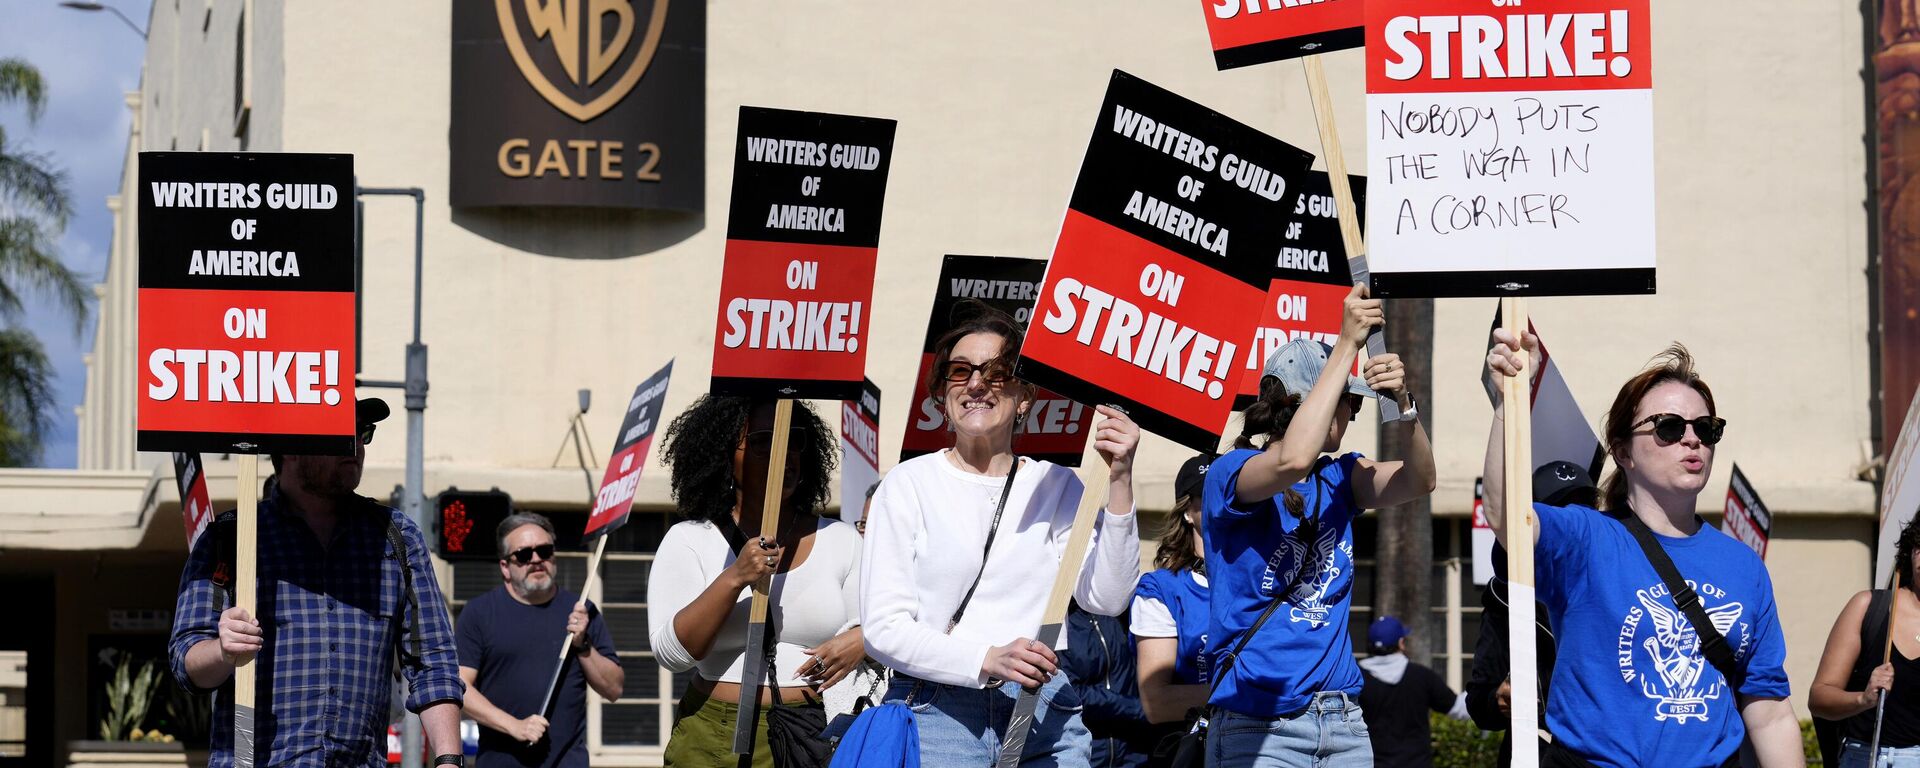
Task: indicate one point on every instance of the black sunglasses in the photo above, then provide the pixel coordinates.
(1669, 428)
(760, 442)
(524, 555)
(1353, 405)
(366, 434)
(995, 371)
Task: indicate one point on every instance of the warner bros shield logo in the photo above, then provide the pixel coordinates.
(582, 56)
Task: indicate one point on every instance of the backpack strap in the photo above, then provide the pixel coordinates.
(411, 610)
(1873, 635)
(1713, 645)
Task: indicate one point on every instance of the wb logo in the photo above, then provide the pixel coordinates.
(582, 56)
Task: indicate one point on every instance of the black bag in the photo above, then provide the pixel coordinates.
(793, 734)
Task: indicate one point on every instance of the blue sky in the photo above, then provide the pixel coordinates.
(90, 60)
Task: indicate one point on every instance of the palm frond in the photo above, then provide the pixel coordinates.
(31, 184)
(26, 397)
(27, 257)
(20, 81)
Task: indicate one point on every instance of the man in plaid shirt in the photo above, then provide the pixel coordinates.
(335, 599)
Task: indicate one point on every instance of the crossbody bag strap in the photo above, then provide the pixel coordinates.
(993, 529)
(1713, 645)
(1279, 596)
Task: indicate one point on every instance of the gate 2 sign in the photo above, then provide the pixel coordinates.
(246, 303)
(1510, 147)
(1163, 262)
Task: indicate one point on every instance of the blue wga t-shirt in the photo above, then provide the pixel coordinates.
(1185, 596)
(1627, 653)
(1256, 548)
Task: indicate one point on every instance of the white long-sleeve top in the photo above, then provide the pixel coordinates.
(925, 537)
(812, 602)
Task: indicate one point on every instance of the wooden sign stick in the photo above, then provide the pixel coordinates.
(1522, 526)
(1350, 235)
(1886, 655)
(566, 643)
(1094, 478)
(246, 598)
(756, 651)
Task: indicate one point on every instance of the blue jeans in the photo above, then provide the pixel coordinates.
(1854, 753)
(1329, 733)
(964, 726)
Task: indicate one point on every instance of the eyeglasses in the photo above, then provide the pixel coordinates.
(524, 555)
(995, 371)
(1669, 428)
(366, 433)
(1353, 405)
(760, 442)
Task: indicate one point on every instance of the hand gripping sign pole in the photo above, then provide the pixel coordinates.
(1886, 655)
(1094, 477)
(1522, 526)
(756, 653)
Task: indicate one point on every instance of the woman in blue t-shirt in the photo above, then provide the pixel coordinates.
(1631, 686)
(1169, 613)
(1279, 522)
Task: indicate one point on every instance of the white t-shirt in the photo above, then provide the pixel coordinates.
(925, 536)
(815, 601)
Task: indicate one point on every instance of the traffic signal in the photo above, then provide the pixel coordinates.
(467, 521)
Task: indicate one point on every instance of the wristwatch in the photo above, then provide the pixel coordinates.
(449, 760)
(1410, 410)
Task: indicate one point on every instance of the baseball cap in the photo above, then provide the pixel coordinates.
(1297, 364)
(1555, 481)
(1386, 632)
(1192, 474)
(370, 410)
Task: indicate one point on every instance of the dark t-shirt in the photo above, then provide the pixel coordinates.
(515, 648)
(1397, 716)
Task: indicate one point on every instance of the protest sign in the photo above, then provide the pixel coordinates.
(859, 450)
(1307, 297)
(1247, 32)
(803, 231)
(1162, 263)
(1746, 518)
(1056, 428)
(615, 499)
(196, 508)
(1899, 492)
(1562, 432)
(246, 318)
(1510, 147)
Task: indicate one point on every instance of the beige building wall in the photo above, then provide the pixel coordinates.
(1761, 230)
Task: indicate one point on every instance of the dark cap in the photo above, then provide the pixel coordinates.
(370, 410)
(1558, 483)
(1192, 474)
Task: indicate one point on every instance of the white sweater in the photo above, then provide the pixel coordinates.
(925, 535)
(814, 602)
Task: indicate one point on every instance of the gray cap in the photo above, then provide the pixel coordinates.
(1297, 364)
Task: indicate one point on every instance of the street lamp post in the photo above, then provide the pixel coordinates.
(84, 6)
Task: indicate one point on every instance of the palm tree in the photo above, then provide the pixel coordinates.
(34, 208)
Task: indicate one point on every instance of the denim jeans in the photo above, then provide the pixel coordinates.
(1329, 733)
(1854, 753)
(963, 726)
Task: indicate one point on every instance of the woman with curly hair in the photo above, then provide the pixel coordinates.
(1629, 650)
(1852, 676)
(961, 556)
(701, 583)
(1279, 532)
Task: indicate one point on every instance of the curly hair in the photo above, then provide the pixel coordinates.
(1903, 552)
(1268, 417)
(699, 450)
(1674, 364)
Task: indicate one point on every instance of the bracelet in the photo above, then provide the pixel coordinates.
(450, 760)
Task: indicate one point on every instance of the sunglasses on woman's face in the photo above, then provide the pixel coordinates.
(524, 555)
(1669, 427)
(760, 442)
(995, 371)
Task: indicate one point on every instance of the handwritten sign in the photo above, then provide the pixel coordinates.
(1510, 147)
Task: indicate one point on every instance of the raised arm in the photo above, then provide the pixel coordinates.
(1504, 361)
(1290, 459)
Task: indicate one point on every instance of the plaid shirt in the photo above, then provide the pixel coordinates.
(334, 619)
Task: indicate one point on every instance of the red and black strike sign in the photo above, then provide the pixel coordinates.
(1056, 428)
(246, 303)
(615, 499)
(1307, 297)
(1163, 261)
(1747, 518)
(1258, 31)
(803, 232)
(859, 448)
(196, 507)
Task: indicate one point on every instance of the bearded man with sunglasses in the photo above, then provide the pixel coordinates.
(509, 642)
(345, 589)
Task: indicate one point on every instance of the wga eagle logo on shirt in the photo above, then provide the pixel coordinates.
(1309, 574)
(1660, 650)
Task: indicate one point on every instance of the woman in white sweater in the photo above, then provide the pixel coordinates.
(931, 530)
(699, 589)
